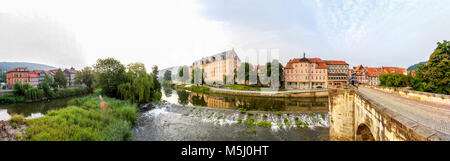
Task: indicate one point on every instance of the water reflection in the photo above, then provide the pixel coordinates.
(183, 97)
(32, 110)
(249, 103)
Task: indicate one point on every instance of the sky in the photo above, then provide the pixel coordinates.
(66, 33)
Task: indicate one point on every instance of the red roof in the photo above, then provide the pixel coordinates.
(397, 70)
(320, 63)
(335, 62)
(18, 69)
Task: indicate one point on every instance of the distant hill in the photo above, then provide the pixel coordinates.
(7, 66)
(415, 66)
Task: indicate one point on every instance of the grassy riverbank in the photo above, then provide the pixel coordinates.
(193, 88)
(243, 87)
(84, 121)
(39, 95)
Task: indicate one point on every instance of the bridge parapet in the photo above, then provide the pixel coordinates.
(354, 116)
(416, 95)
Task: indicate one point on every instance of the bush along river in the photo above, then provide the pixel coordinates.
(190, 116)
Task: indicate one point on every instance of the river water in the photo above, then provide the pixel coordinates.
(192, 116)
(33, 109)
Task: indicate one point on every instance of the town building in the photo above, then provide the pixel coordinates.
(217, 67)
(35, 77)
(17, 75)
(337, 73)
(306, 73)
(370, 75)
(70, 75)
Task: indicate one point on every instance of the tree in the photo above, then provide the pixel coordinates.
(46, 84)
(244, 72)
(156, 90)
(183, 75)
(60, 79)
(394, 80)
(138, 85)
(279, 75)
(109, 74)
(85, 76)
(168, 75)
(435, 74)
(196, 72)
(20, 88)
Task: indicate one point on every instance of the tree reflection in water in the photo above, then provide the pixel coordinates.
(183, 97)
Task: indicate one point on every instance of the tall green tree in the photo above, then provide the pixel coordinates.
(109, 74)
(156, 90)
(183, 74)
(244, 72)
(20, 88)
(46, 85)
(435, 75)
(85, 76)
(168, 75)
(138, 85)
(280, 75)
(60, 79)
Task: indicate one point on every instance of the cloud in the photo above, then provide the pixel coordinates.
(38, 40)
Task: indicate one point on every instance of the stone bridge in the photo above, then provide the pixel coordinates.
(383, 115)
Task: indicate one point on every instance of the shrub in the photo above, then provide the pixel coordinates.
(279, 113)
(249, 122)
(6, 99)
(264, 124)
(16, 120)
(84, 121)
(34, 93)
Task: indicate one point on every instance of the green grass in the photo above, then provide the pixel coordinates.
(196, 89)
(279, 113)
(250, 114)
(287, 122)
(301, 124)
(242, 110)
(264, 124)
(264, 115)
(84, 121)
(239, 121)
(250, 122)
(243, 87)
(16, 120)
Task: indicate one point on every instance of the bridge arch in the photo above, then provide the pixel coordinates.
(363, 133)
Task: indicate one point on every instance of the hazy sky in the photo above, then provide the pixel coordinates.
(66, 33)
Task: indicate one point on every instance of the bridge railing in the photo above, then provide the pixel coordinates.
(416, 95)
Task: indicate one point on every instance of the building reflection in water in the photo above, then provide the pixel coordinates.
(253, 103)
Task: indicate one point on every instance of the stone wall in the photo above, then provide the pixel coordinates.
(417, 95)
(280, 94)
(341, 109)
(350, 110)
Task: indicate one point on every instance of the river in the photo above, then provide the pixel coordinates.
(32, 109)
(190, 116)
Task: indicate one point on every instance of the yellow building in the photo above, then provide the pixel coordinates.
(216, 67)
